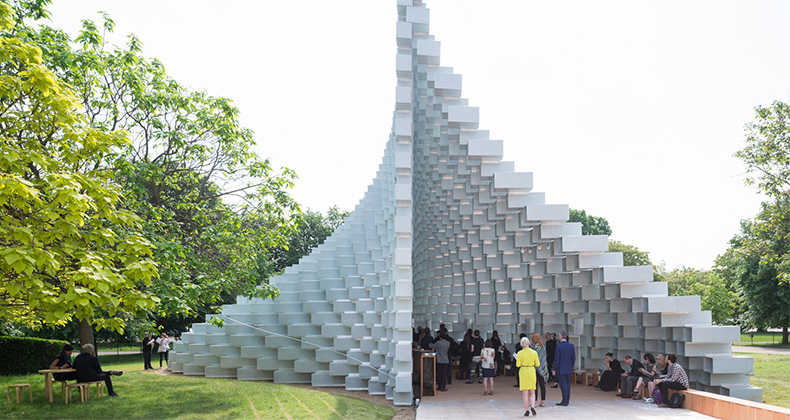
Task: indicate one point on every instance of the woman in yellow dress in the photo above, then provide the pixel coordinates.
(526, 360)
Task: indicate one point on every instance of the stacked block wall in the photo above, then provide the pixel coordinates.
(450, 233)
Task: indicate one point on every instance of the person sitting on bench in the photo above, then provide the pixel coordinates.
(628, 380)
(89, 369)
(677, 379)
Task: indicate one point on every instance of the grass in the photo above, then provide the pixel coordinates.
(762, 339)
(773, 370)
(146, 395)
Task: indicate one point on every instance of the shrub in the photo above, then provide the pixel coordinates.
(23, 355)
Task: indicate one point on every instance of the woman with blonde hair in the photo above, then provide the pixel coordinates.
(543, 370)
(527, 361)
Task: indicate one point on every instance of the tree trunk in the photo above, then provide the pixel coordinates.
(784, 335)
(86, 333)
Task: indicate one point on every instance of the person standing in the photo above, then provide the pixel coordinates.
(442, 360)
(543, 370)
(487, 356)
(564, 359)
(466, 356)
(164, 348)
(528, 362)
(148, 344)
(518, 350)
(477, 347)
(551, 345)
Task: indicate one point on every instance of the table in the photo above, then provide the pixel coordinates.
(48, 380)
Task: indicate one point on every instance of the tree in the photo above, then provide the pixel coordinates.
(631, 254)
(313, 229)
(68, 248)
(712, 289)
(591, 225)
(207, 202)
(767, 154)
(766, 299)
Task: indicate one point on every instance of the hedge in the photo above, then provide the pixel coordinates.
(23, 355)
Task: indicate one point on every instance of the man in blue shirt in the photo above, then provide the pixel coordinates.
(564, 359)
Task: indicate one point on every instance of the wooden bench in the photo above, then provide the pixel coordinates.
(99, 388)
(18, 388)
(730, 408)
(83, 389)
(580, 377)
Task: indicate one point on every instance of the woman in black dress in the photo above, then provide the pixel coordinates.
(611, 376)
(63, 361)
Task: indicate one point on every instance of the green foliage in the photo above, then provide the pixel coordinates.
(314, 228)
(749, 265)
(767, 154)
(591, 225)
(716, 296)
(631, 254)
(21, 355)
(187, 155)
(66, 247)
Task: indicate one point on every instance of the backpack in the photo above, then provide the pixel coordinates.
(657, 396)
(676, 400)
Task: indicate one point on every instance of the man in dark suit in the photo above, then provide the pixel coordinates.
(89, 369)
(564, 359)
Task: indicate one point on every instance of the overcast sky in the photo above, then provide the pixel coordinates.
(628, 110)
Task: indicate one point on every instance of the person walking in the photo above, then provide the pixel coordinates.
(564, 359)
(527, 361)
(148, 344)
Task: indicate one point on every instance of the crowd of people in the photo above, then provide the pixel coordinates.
(660, 372)
(535, 363)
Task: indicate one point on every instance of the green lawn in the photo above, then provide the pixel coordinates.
(762, 339)
(773, 370)
(151, 396)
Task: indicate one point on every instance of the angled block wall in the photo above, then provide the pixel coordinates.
(449, 233)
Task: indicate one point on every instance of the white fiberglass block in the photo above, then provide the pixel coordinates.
(653, 288)
(673, 303)
(600, 260)
(584, 243)
(513, 181)
(681, 319)
(627, 274)
(715, 333)
(547, 212)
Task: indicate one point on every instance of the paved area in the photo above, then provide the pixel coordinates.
(761, 350)
(467, 401)
(578, 410)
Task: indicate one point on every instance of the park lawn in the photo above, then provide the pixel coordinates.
(773, 370)
(762, 339)
(151, 396)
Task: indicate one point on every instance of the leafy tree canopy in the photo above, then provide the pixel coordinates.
(314, 228)
(591, 225)
(631, 254)
(68, 248)
(767, 153)
(716, 296)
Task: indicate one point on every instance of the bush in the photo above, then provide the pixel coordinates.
(23, 355)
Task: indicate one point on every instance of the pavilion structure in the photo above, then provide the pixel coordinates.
(448, 232)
